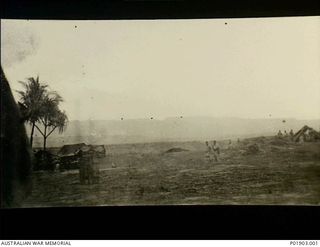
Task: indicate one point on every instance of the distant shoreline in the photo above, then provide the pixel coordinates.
(170, 130)
(166, 142)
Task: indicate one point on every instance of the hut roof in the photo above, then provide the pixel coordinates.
(72, 149)
(304, 129)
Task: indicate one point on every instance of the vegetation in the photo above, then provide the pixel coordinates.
(30, 101)
(41, 108)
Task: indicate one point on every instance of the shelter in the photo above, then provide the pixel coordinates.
(69, 155)
(71, 150)
(306, 133)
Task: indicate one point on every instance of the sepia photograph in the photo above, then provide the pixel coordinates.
(160, 112)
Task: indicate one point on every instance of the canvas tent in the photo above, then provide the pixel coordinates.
(306, 133)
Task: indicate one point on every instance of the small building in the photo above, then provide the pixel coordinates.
(306, 134)
(71, 149)
(69, 156)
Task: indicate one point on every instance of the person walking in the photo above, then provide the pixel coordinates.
(216, 150)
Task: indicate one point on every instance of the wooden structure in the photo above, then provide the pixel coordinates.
(81, 156)
(69, 156)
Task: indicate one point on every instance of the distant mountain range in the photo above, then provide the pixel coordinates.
(169, 129)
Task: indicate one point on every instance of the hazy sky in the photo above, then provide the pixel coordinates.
(255, 68)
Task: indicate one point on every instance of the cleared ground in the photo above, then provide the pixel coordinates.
(282, 172)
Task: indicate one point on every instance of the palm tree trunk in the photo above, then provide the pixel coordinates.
(45, 138)
(44, 143)
(31, 135)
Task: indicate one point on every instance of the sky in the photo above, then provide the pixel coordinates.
(247, 68)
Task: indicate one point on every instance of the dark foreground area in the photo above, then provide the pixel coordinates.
(279, 173)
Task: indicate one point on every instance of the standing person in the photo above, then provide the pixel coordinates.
(209, 152)
(286, 135)
(280, 134)
(216, 150)
(86, 166)
(291, 135)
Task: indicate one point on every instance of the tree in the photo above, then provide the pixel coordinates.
(51, 117)
(31, 101)
(39, 106)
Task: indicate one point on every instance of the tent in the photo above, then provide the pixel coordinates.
(306, 133)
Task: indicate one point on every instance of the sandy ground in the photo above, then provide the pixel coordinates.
(282, 173)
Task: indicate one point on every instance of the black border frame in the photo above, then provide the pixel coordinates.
(159, 222)
(155, 9)
(163, 222)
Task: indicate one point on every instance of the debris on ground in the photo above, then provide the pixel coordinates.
(174, 150)
(279, 142)
(260, 140)
(275, 149)
(252, 149)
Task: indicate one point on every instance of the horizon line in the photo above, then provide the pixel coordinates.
(183, 117)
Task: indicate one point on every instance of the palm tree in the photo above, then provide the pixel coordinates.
(31, 100)
(51, 116)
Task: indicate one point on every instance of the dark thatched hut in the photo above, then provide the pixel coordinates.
(306, 133)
